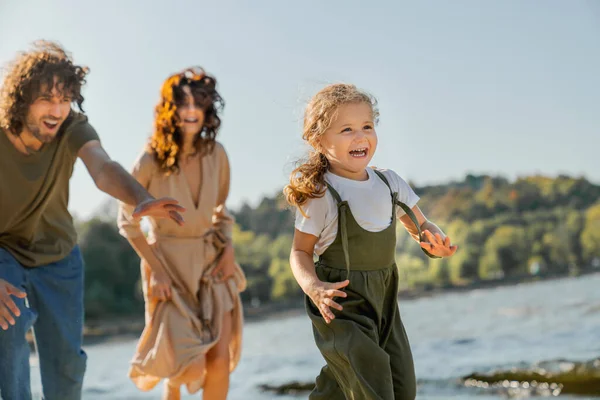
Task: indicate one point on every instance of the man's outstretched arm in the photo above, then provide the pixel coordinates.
(111, 178)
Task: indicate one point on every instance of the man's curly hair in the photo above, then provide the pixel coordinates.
(30, 72)
(166, 141)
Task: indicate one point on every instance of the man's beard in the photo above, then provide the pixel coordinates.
(35, 131)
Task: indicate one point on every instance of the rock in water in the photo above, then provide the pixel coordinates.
(549, 378)
(289, 388)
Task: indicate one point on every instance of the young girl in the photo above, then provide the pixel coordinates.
(190, 278)
(346, 215)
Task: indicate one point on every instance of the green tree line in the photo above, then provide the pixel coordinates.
(534, 226)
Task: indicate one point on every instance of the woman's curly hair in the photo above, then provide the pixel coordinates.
(167, 140)
(30, 72)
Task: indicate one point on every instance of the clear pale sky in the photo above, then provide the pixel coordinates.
(508, 87)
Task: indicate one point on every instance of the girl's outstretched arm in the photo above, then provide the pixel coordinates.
(303, 268)
(301, 259)
(433, 240)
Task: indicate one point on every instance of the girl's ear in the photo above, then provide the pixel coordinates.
(317, 148)
(319, 145)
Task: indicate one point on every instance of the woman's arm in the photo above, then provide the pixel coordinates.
(130, 228)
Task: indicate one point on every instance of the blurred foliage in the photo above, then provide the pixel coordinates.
(535, 225)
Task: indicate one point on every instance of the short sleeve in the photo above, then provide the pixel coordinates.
(79, 133)
(224, 173)
(222, 219)
(315, 221)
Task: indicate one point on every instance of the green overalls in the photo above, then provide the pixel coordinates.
(366, 347)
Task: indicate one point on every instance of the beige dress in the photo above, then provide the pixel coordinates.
(179, 332)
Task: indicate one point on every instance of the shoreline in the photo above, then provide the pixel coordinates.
(130, 327)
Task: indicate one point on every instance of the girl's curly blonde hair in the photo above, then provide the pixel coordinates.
(307, 180)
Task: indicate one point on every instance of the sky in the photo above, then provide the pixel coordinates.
(504, 87)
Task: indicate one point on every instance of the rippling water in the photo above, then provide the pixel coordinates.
(452, 335)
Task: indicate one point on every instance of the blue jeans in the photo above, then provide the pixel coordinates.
(55, 296)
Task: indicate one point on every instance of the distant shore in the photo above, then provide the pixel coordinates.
(130, 327)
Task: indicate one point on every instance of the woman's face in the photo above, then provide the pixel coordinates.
(191, 113)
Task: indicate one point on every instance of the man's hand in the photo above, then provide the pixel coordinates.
(113, 180)
(7, 304)
(160, 208)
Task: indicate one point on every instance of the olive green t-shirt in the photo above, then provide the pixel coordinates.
(35, 224)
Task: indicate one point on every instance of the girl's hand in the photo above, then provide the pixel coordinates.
(322, 295)
(438, 246)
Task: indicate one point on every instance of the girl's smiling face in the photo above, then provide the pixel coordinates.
(350, 142)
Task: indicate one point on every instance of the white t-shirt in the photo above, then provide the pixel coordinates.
(369, 201)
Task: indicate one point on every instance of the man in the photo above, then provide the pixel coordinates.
(41, 268)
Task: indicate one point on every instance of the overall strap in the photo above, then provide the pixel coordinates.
(392, 193)
(406, 209)
(342, 208)
(384, 179)
(334, 193)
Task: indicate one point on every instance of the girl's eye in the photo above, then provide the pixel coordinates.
(347, 130)
(367, 127)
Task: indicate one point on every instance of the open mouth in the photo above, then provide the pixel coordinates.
(359, 153)
(191, 120)
(50, 125)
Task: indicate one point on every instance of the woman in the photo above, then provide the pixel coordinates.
(191, 281)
